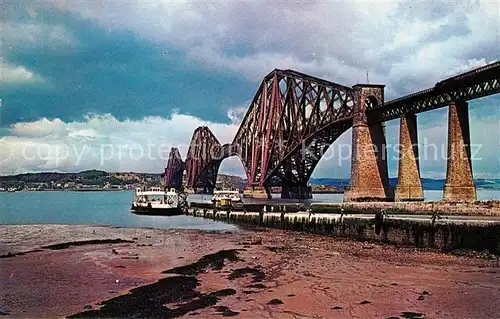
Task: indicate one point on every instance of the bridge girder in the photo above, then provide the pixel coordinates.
(202, 162)
(203, 159)
(291, 111)
(474, 84)
(174, 169)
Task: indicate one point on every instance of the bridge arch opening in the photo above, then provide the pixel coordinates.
(231, 173)
(332, 172)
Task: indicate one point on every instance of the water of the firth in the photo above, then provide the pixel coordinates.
(113, 208)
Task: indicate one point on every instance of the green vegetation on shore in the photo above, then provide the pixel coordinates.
(96, 180)
(93, 179)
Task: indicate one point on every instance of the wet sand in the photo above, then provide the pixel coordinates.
(247, 273)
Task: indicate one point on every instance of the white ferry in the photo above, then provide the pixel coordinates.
(231, 194)
(158, 201)
(226, 198)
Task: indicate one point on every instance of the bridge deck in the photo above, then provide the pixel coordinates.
(471, 85)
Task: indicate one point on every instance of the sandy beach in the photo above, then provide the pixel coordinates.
(55, 271)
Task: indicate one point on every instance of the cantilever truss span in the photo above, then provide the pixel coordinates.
(203, 159)
(174, 169)
(293, 119)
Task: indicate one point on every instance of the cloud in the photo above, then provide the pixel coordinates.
(236, 114)
(77, 66)
(30, 36)
(40, 128)
(137, 59)
(395, 41)
(103, 142)
(18, 75)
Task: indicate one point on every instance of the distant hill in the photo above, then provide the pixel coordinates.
(90, 177)
(488, 183)
(101, 178)
(231, 181)
(337, 182)
(427, 183)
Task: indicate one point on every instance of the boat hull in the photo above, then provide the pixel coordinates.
(141, 210)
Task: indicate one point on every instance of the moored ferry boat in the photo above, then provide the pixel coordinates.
(226, 198)
(158, 201)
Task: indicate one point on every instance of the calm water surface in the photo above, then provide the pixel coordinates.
(113, 208)
(97, 208)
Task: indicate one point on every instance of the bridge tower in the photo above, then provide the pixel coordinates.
(203, 159)
(369, 173)
(459, 184)
(174, 169)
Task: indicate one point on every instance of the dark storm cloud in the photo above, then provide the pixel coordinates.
(88, 69)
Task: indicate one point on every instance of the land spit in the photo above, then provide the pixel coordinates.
(425, 225)
(92, 271)
(478, 208)
(490, 208)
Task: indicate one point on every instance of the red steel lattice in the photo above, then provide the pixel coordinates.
(174, 169)
(203, 159)
(291, 121)
(293, 118)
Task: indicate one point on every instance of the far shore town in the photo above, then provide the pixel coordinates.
(95, 180)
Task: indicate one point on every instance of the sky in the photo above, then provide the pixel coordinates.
(114, 85)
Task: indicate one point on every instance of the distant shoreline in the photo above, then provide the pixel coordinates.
(96, 180)
(68, 190)
(118, 190)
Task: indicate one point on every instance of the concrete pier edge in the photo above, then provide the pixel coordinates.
(443, 232)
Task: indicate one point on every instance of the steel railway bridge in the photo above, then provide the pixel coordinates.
(294, 117)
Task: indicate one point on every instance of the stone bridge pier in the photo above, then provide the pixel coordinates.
(409, 187)
(459, 184)
(369, 174)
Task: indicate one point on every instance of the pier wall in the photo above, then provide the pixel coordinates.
(489, 208)
(421, 232)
